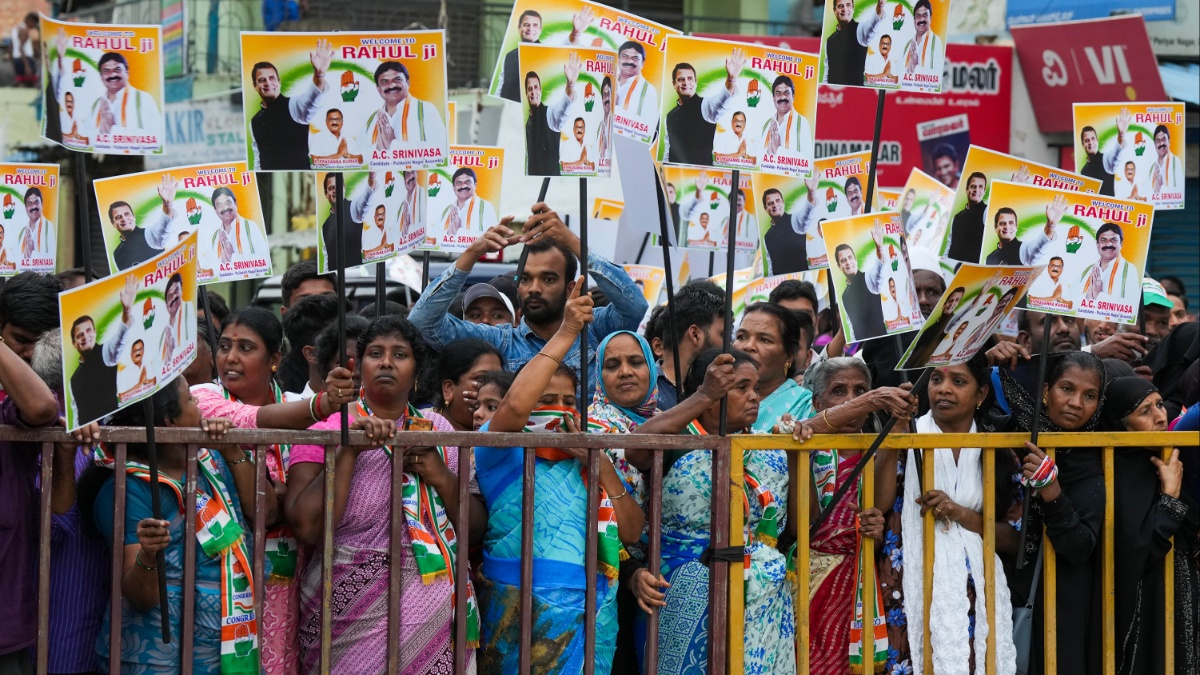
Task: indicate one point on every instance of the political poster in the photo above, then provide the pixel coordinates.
(1093, 248)
(886, 199)
(925, 210)
(703, 200)
(382, 212)
(964, 238)
(105, 87)
(130, 334)
(569, 113)
(637, 42)
(452, 122)
(607, 209)
(944, 144)
(461, 199)
(28, 218)
(1134, 149)
(649, 279)
(872, 276)
(795, 210)
(977, 302)
(148, 213)
(345, 101)
(885, 45)
(714, 117)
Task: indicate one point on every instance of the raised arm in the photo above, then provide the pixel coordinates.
(869, 23)
(718, 381)
(1112, 153)
(362, 196)
(302, 107)
(714, 107)
(158, 230)
(117, 340)
(34, 401)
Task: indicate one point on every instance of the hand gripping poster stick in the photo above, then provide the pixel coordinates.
(525, 251)
(1033, 433)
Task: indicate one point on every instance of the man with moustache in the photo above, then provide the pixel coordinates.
(787, 133)
(39, 236)
(279, 128)
(637, 99)
(237, 239)
(746, 227)
(181, 322)
(333, 146)
(529, 29)
(733, 147)
(1112, 278)
(884, 76)
(468, 214)
(965, 239)
(920, 52)
(1167, 172)
(846, 48)
(121, 109)
(404, 122)
(692, 123)
(68, 122)
(351, 227)
(1050, 286)
(545, 122)
(551, 270)
(1132, 187)
(375, 238)
(1103, 165)
(584, 153)
(604, 139)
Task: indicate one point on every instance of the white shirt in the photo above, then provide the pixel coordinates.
(728, 143)
(324, 144)
(927, 49)
(571, 151)
(747, 230)
(44, 235)
(1121, 281)
(301, 107)
(636, 108)
(1170, 171)
(247, 237)
(134, 113)
(413, 211)
(475, 216)
(796, 137)
(415, 123)
(1045, 287)
(373, 236)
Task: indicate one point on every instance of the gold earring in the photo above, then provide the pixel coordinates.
(274, 368)
(447, 404)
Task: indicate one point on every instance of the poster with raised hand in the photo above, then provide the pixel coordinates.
(702, 197)
(569, 110)
(345, 101)
(150, 212)
(886, 199)
(964, 238)
(976, 304)
(28, 218)
(638, 44)
(795, 210)
(1134, 149)
(384, 215)
(872, 276)
(461, 199)
(129, 334)
(885, 45)
(105, 87)
(1093, 247)
(925, 210)
(739, 106)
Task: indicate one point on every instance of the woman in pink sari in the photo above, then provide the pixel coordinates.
(843, 401)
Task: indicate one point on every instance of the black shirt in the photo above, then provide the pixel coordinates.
(134, 249)
(864, 308)
(1010, 254)
(1094, 168)
(541, 143)
(787, 251)
(966, 233)
(845, 58)
(690, 135)
(94, 386)
(282, 141)
(351, 237)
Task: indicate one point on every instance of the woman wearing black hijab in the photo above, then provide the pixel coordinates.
(1150, 509)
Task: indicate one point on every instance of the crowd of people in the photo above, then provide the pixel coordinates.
(505, 356)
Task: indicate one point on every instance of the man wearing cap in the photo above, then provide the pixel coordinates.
(1155, 320)
(485, 304)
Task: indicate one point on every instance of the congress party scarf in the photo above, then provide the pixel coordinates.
(825, 467)
(610, 551)
(281, 548)
(219, 535)
(436, 550)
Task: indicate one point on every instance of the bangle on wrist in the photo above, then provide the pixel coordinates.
(312, 410)
(558, 361)
(246, 457)
(137, 558)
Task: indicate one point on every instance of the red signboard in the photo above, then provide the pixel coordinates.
(978, 84)
(1094, 61)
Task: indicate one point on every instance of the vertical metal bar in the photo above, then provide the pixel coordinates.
(160, 557)
(989, 553)
(735, 183)
(738, 536)
(261, 485)
(1169, 595)
(869, 590)
(803, 512)
(43, 590)
(665, 240)
(526, 603)
(84, 219)
(327, 561)
(118, 560)
(718, 572)
(395, 548)
(1108, 569)
(340, 252)
(927, 480)
(1049, 597)
(189, 559)
(380, 287)
(591, 565)
(462, 572)
(654, 556)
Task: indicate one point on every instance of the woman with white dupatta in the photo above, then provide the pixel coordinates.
(959, 620)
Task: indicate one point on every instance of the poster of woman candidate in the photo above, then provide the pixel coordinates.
(795, 210)
(963, 239)
(345, 101)
(872, 276)
(703, 201)
(1093, 248)
(129, 334)
(105, 87)
(885, 45)
(924, 209)
(638, 43)
(28, 218)
(1134, 149)
(568, 110)
(976, 304)
(150, 212)
(739, 106)
(460, 198)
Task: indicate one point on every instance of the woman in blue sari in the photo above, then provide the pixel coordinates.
(771, 335)
(541, 399)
